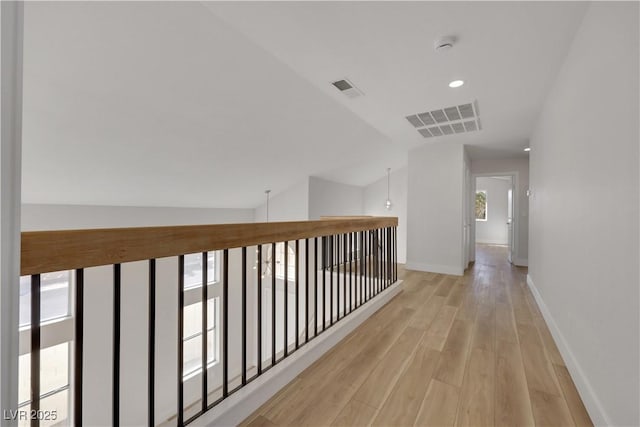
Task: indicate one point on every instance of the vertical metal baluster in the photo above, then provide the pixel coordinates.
(306, 292)
(324, 284)
(387, 258)
(244, 315)
(297, 329)
(116, 344)
(180, 340)
(393, 250)
(285, 288)
(378, 263)
(344, 278)
(361, 272)
(225, 320)
(205, 324)
(382, 259)
(151, 363)
(273, 303)
(365, 261)
(35, 348)
(78, 348)
(331, 257)
(316, 316)
(395, 253)
(379, 258)
(338, 263)
(369, 266)
(385, 255)
(389, 255)
(350, 255)
(259, 280)
(374, 264)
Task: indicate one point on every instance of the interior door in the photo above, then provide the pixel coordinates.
(510, 222)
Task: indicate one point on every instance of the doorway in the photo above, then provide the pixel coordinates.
(494, 214)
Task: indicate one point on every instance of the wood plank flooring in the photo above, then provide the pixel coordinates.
(464, 351)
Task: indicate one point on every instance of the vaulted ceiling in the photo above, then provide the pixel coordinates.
(208, 104)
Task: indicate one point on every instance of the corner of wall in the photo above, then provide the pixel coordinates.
(592, 403)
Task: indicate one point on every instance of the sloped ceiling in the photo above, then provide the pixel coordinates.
(208, 104)
(163, 104)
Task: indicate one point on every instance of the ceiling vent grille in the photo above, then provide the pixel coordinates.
(447, 121)
(347, 88)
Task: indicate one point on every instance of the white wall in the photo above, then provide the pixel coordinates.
(434, 208)
(521, 201)
(289, 205)
(584, 254)
(375, 194)
(328, 198)
(494, 229)
(60, 217)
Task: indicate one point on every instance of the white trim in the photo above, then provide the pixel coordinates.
(521, 262)
(11, 39)
(515, 253)
(435, 268)
(492, 242)
(53, 332)
(586, 391)
(236, 408)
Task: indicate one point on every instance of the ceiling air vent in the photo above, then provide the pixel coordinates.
(447, 121)
(348, 88)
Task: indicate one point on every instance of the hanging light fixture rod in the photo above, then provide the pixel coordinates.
(387, 203)
(267, 192)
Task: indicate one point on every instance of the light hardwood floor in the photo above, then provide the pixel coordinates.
(469, 351)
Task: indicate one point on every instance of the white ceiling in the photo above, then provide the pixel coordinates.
(192, 104)
(508, 53)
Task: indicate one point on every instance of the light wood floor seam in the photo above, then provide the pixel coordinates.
(465, 351)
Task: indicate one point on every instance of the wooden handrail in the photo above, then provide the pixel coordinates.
(47, 251)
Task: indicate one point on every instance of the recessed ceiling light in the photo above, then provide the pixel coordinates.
(527, 149)
(456, 83)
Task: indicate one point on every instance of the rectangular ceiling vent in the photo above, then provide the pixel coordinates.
(446, 121)
(347, 88)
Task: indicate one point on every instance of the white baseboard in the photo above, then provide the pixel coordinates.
(520, 262)
(237, 407)
(586, 391)
(434, 268)
(492, 242)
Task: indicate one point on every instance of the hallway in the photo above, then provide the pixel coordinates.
(471, 350)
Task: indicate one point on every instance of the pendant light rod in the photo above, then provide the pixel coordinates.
(267, 193)
(388, 181)
(387, 203)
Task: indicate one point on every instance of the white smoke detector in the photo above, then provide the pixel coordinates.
(444, 44)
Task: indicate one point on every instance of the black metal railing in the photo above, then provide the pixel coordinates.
(334, 275)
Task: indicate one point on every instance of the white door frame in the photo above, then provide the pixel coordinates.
(515, 176)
